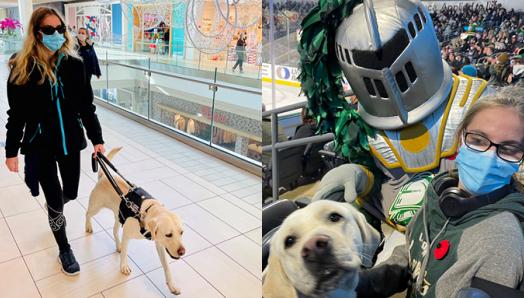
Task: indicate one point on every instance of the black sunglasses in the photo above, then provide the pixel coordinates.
(50, 30)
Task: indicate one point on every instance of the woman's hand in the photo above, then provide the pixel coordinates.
(12, 164)
(98, 148)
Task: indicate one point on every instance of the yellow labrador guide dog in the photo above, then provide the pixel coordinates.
(318, 251)
(142, 217)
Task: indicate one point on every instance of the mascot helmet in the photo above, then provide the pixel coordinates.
(389, 53)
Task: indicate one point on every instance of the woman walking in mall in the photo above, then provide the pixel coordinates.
(50, 101)
(87, 52)
(241, 52)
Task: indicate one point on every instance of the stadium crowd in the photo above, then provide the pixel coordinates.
(482, 40)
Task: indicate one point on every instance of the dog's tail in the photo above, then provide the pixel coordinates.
(109, 156)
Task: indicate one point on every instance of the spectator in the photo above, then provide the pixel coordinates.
(87, 52)
(308, 127)
(518, 70)
(500, 71)
(469, 70)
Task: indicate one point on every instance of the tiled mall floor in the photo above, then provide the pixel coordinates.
(220, 205)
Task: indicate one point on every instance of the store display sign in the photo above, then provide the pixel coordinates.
(177, 28)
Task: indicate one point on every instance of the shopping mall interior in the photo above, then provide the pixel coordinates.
(190, 128)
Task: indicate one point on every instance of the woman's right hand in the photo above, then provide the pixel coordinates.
(12, 164)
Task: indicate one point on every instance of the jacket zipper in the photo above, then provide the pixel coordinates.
(59, 110)
(37, 131)
(61, 125)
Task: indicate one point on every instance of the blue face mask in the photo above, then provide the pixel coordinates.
(53, 42)
(483, 172)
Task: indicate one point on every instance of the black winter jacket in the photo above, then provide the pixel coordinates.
(39, 121)
(88, 54)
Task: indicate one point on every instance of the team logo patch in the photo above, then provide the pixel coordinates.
(410, 198)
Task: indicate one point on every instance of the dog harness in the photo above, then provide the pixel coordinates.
(131, 202)
(135, 197)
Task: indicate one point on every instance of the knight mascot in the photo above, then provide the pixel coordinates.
(409, 102)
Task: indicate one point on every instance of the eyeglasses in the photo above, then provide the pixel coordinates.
(480, 143)
(50, 30)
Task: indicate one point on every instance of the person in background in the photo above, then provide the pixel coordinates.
(308, 127)
(73, 31)
(87, 52)
(241, 51)
(166, 37)
(500, 70)
(469, 70)
(50, 105)
(518, 69)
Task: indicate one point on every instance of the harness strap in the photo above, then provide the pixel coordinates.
(103, 158)
(110, 178)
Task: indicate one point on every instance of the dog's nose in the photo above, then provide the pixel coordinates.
(181, 251)
(317, 245)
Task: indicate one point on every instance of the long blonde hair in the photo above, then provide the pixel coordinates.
(34, 54)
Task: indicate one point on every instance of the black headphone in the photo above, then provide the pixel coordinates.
(455, 202)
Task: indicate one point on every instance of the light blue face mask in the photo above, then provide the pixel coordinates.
(54, 41)
(483, 172)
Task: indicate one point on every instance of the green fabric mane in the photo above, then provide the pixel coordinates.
(321, 77)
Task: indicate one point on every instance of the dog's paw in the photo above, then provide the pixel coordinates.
(89, 228)
(125, 269)
(174, 290)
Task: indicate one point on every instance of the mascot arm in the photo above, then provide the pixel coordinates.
(355, 180)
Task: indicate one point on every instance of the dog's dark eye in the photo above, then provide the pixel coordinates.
(181, 232)
(290, 240)
(335, 217)
(169, 235)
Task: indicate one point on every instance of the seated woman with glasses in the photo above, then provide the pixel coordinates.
(468, 236)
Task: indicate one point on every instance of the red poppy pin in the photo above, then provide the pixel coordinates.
(441, 250)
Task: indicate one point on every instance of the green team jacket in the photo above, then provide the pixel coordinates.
(487, 243)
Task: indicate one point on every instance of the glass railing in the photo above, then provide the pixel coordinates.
(191, 57)
(220, 114)
(10, 44)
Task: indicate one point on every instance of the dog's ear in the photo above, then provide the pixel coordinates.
(275, 283)
(152, 226)
(370, 237)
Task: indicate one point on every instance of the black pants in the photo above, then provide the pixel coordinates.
(239, 63)
(55, 194)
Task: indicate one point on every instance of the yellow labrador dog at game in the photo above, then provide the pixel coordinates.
(318, 251)
(163, 226)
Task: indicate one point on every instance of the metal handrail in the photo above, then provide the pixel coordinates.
(284, 109)
(182, 77)
(300, 142)
(276, 146)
